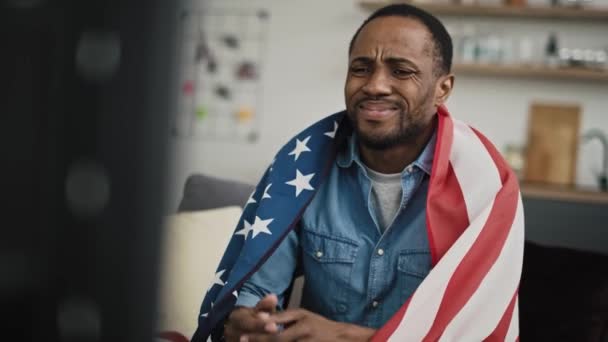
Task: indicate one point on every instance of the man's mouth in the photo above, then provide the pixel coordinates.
(376, 110)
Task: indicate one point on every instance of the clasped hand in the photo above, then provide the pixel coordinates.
(261, 324)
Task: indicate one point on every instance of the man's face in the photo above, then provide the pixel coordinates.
(390, 87)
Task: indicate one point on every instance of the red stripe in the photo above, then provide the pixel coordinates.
(389, 327)
(442, 150)
(500, 333)
(483, 253)
(446, 214)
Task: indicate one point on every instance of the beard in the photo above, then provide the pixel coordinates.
(405, 131)
(404, 134)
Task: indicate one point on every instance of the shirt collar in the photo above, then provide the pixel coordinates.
(350, 154)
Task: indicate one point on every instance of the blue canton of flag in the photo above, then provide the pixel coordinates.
(269, 214)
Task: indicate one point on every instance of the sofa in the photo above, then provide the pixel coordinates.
(563, 292)
(193, 242)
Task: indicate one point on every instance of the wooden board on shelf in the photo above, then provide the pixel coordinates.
(553, 139)
(500, 11)
(565, 194)
(532, 72)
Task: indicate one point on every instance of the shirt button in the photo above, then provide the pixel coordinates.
(380, 251)
(375, 304)
(319, 254)
(409, 169)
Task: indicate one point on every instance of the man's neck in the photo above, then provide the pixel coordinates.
(395, 159)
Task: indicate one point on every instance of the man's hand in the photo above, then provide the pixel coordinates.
(303, 325)
(244, 320)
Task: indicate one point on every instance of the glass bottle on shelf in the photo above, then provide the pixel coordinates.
(551, 51)
(468, 45)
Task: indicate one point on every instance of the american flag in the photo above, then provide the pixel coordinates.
(475, 226)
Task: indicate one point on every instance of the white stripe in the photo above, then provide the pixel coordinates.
(513, 332)
(483, 311)
(471, 162)
(475, 169)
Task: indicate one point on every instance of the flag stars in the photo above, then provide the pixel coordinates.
(251, 199)
(217, 279)
(301, 182)
(266, 194)
(300, 148)
(260, 226)
(246, 229)
(332, 134)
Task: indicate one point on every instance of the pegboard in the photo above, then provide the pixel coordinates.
(222, 61)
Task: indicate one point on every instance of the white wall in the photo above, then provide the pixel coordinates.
(304, 76)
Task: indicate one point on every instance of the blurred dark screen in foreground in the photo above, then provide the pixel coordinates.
(85, 104)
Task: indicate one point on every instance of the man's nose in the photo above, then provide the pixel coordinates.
(378, 84)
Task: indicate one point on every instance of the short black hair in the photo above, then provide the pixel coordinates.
(441, 38)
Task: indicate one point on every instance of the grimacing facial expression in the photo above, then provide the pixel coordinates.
(390, 86)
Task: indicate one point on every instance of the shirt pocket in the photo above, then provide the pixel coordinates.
(328, 265)
(413, 265)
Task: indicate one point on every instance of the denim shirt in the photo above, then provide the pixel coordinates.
(353, 272)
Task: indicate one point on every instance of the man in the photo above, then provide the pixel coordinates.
(374, 266)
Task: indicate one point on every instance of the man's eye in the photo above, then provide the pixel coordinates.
(402, 73)
(359, 70)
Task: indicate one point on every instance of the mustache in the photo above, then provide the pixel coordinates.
(377, 100)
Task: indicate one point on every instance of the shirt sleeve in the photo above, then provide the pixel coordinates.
(274, 276)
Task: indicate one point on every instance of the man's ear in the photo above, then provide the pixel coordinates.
(443, 89)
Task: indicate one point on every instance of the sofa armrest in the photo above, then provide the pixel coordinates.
(202, 192)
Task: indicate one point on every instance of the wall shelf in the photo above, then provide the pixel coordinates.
(564, 13)
(537, 72)
(521, 71)
(566, 194)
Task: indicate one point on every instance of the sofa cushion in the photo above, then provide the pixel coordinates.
(203, 192)
(192, 247)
